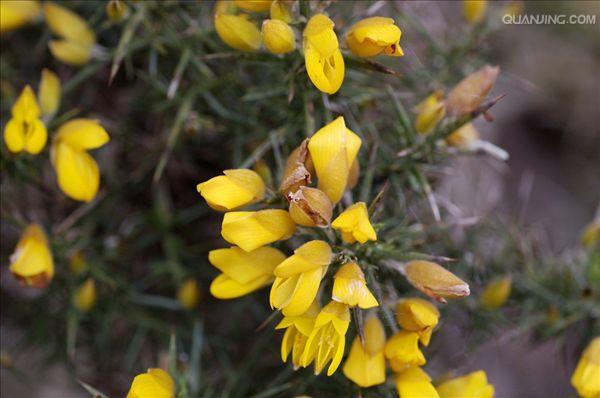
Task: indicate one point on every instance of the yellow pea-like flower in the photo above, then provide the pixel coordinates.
(463, 137)
(310, 207)
(236, 188)
(84, 298)
(156, 383)
(297, 330)
(254, 5)
(470, 92)
(278, 36)
(49, 92)
(298, 278)
(590, 237)
(328, 338)
(253, 229)
(375, 35)
(280, 10)
(322, 55)
(350, 287)
(402, 350)
(365, 365)
(77, 263)
(496, 293)
(586, 378)
(418, 315)
(25, 131)
(474, 10)
(77, 38)
(354, 224)
(472, 385)
(243, 271)
(333, 149)
(238, 32)
(76, 170)
(31, 262)
(429, 112)
(434, 280)
(413, 382)
(188, 294)
(116, 10)
(16, 13)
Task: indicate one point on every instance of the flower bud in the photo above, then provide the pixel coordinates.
(77, 263)
(434, 280)
(188, 294)
(470, 92)
(474, 10)
(116, 10)
(298, 170)
(496, 293)
(85, 296)
(372, 36)
(429, 112)
(310, 207)
(236, 188)
(238, 32)
(280, 10)
(49, 92)
(472, 385)
(463, 137)
(278, 36)
(31, 262)
(254, 5)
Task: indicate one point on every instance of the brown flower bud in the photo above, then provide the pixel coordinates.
(298, 169)
(434, 280)
(467, 95)
(353, 175)
(310, 207)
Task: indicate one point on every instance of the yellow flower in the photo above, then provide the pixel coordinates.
(116, 10)
(298, 278)
(238, 32)
(586, 378)
(77, 263)
(413, 382)
(188, 294)
(254, 5)
(354, 224)
(372, 36)
(418, 315)
(470, 92)
(429, 112)
(333, 149)
(49, 92)
(310, 207)
(496, 293)
(322, 55)
(328, 338)
(85, 296)
(16, 13)
(278, 36)
(350, 287)
(365, 365)
(253, 229)
(77, 171)
(237, 188)
(463, 137)
(298, 329)
(77, 39)
(25, 131)
(434, 280)
(402, 350)
(243, 272)
(31, 262)
(474, 10)
(473, 385)
(590, 237)
(280, 10)
(156, 383)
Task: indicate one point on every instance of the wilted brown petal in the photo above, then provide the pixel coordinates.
(310, 207)
(298, 170)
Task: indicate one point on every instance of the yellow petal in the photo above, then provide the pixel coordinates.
(413, 382)
(32, 261)
(417, 315)
(586, 377)
(430, 111)
(244, 266)
(188, 294)
(355, 220)
(82, 134)
(316, 24)
(326, 73)
(434, 280)
(156, 384)
(67, 24)
(237, 188)
(26, 107)
(14, 135)
(496, 293)
(363, 369)
(77, 172)
(462, 137)
(472, 385)
(280, 10)
(403, 347)
(304, 293)
(85, 296)
(251, 230)
(278, 36)
(349, 287)
(16, 13)
(36, 137)
(474, 10)
(49, 92)
(238, 32)
(225, 287)
(70, 52)
(311, 255)
(254, 5)
(374, 35)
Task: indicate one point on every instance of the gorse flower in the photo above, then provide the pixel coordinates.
(76, 37)
(254, 5)
(586, 378)
(243, 271)
(333, 149)
(280, 10)
(350, 287)
(16, 13)
(496, 293)
(237, 31)
(297, 330)
(373, 36)
(299, 277)
(413, 382)
(417, 315)
(85, 296)
(472, 385)
(49, 92)
(116, 10)
(77, 171)
(253, 229)
(470, 92)
(156, 383)
(429, 112)
(278, 36)
(354, 224)
(25, 131)
(328, 338)
(365, 365)
(402, 350)
(474, 10)
(322, 55)
(310, 207)
(463, 137)
(237, 188)
(434, 280)
(188, 294)
(31, 262)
